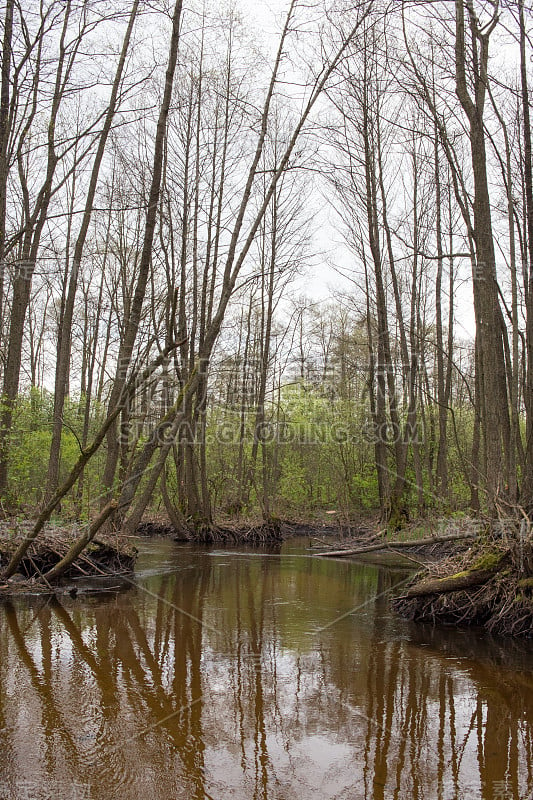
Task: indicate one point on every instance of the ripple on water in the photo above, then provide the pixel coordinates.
(256, 676)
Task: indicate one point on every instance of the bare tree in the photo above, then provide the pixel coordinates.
(67, 310)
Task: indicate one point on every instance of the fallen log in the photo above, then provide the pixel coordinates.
(487, 586)
(452, 583)
(396, 545)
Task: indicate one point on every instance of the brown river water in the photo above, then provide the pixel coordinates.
(256, 675)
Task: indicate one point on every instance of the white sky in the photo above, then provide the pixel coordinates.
(267, 16)
(320, 280)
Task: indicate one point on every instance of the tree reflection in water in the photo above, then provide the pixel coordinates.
(221, 681)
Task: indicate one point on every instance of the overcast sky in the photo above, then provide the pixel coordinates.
(331, 257)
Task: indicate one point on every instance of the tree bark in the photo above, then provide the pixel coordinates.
(453, 583)
(496, 423)
(80, 545)
(527, 481)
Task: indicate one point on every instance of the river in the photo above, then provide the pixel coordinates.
(256, 675)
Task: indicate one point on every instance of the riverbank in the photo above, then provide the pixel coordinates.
(109, 554)
(468, 572)
(420, 543)
(254, 530)
(113, 554)
(490, 584)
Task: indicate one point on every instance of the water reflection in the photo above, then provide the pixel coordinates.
(221, 675)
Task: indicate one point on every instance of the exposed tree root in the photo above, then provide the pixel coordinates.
(225, 533)
(108, 555)
(491, 586)
(466, 579)
(271, 531)
(159, 529)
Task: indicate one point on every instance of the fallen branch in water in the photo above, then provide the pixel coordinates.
(451, 537)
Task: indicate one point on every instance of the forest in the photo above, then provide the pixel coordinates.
(264, 273)
(266, 412)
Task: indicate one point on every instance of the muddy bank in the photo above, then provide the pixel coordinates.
(489, 585)
(213, 534)
(106, 555)
(160, 529)
(256, 531)
(472, 574)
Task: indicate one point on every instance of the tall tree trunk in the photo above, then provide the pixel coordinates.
(143, 269)
(489, 321)
(4, 138)
(65, 326)
(442, 453)
(35, 222)
(527, 482)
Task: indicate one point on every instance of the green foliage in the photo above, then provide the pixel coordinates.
(312, 452)
(30, 447)
(27, 465)
(293, 485)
